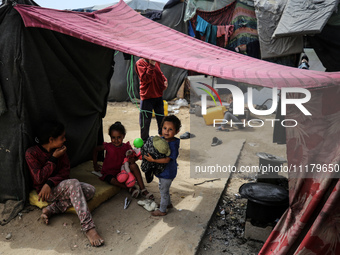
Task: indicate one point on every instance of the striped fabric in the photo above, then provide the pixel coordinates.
(245, 25)
(121, 28)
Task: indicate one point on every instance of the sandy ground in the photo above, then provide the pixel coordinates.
(134, 231)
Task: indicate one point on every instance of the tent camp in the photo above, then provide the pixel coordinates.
(58, 64)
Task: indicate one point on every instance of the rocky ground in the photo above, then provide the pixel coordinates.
(225, 234)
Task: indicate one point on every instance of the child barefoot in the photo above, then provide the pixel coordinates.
(114, 158)
(50, 170)
(170, 127)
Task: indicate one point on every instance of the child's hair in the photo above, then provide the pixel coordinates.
(49, 129)
(117, 126)
(174, 120)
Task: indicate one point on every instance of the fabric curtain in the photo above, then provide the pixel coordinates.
(311, 224)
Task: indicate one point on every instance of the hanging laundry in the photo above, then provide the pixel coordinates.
(201, 25)
(219, 17)
(191, 30)
(213, 35)
(206, 30)
(227, 31)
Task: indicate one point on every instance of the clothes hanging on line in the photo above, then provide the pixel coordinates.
(225, 31)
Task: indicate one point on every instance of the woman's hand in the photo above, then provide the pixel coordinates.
(149, 158)
(44, 194)
(59, 152)
(166, 84)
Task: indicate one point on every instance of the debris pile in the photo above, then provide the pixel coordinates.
(225, 233)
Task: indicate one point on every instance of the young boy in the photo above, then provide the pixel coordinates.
(170, 127)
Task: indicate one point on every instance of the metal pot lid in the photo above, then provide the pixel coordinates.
(270, 157)
(264, 193)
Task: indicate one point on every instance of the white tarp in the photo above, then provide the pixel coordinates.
(301, 17)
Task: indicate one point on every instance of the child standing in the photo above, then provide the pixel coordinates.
(114, 158)
(50, 171)
(170, 127)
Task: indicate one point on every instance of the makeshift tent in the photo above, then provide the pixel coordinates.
(44, 74)
(119, 27)
(268, 16)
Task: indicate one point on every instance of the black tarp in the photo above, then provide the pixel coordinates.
(47, 75)
(171, 17)
(327, 47)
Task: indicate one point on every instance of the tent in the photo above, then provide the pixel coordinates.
(45, 73)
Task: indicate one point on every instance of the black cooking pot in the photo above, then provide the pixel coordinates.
(266, 202)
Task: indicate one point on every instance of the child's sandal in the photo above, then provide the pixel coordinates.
(134, 192)
(148, 195)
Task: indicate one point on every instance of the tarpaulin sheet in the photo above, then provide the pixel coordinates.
(268, 15)
(301, 17)
(121, 28)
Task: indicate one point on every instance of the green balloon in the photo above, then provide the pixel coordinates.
(138, 142)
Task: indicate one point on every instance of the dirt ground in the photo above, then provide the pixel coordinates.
(187, 229)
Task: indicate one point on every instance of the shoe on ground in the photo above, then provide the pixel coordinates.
(216, 141)
(187, 135)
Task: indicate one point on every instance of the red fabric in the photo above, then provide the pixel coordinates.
(43, 170)
(114, 158)
(151, 79)
(121, 28)
(312, 142)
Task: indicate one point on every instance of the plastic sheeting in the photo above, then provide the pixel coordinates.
(203, 5)
(119, 27)
(268, 15)
(301, 17)
(47, 75)
(327, 47)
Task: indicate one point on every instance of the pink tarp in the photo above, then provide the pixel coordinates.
(121, 28)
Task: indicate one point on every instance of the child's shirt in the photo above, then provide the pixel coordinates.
(170, 170)
(114, 158)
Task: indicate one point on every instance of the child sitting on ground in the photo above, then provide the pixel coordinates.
(170, 127)
(114, 158)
